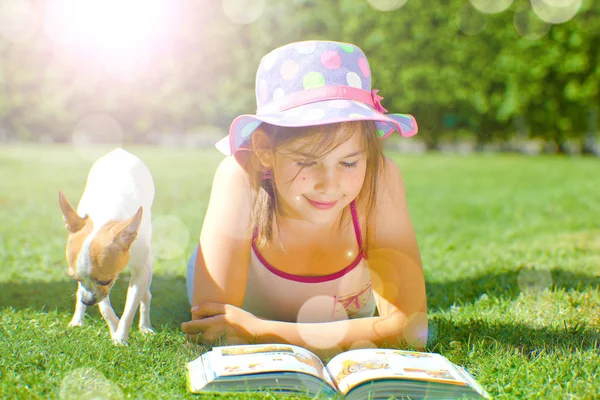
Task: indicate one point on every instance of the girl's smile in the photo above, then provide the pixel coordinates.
(322, 205)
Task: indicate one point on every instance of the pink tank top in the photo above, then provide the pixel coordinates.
(275, 295)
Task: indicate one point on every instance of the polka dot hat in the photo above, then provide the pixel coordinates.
(314, 83)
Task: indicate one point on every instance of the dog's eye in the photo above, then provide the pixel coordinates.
(103, 283)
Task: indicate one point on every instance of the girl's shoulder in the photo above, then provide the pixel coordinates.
(230, 176)
(231, 196)
(389, 186)
(390, 205)
(229, 170)
(390, 182)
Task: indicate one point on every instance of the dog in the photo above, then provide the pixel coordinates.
(112, 228)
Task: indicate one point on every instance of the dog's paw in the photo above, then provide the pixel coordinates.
(147, 330)
(119, 341)
(75, 323)
(119, 338)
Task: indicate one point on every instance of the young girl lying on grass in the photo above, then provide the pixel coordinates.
(307, 238)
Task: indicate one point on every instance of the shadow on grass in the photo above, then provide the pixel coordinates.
(527, 340)
(169, 307)
(442, 295)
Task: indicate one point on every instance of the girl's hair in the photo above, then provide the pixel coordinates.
(323, 140)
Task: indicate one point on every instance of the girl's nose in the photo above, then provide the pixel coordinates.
(328, 180)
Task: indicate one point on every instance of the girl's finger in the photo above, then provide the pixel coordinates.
(208, 310)
(193, 327)
(201, 325)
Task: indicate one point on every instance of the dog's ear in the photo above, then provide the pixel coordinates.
(126, 231)
(73, 221)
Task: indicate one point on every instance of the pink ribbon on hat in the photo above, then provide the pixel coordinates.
(377, 101)
(314, 95)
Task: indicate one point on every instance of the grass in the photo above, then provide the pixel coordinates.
(510, 247)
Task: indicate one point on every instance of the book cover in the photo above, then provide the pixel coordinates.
(354, 374)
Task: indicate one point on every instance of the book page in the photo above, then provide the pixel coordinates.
(354, 367)
(198, 375)
(255, 359)
(472, 382)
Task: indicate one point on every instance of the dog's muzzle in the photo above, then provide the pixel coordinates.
(89, 299)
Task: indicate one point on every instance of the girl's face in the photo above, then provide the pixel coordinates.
(318, 190)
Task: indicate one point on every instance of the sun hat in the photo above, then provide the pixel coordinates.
(314, 83)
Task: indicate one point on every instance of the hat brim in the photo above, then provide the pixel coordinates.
(319, 113)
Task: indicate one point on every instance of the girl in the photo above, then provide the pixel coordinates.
(307, 238)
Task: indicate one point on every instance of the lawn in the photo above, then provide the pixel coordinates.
(510, 247)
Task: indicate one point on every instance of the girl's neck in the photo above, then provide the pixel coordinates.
(299, 225)
(288, 228)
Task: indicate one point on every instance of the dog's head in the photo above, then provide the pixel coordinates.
(96, 255)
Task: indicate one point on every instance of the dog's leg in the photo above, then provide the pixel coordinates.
(79, 309)
(138, 285)
(145, 325)
(109, 315)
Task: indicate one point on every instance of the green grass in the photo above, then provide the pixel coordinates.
(510, 247)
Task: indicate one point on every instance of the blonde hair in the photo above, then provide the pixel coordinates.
(323, 140)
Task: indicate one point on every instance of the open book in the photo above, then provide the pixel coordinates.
(354, 374)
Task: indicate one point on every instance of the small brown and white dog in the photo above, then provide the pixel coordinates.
(111, 229)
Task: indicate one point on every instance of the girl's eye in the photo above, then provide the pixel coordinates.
(305, 164)
(310, 164)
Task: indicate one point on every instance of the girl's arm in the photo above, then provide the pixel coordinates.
(394, 261)
(222, 261)
(226, 324)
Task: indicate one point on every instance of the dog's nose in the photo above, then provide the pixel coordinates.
(89, 300)
(89, 303)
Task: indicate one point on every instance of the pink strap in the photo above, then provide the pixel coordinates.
(313, 95)
(357, 231)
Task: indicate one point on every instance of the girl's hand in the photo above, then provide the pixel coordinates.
(213, 321)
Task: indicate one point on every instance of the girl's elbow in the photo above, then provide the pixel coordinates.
(399, 329)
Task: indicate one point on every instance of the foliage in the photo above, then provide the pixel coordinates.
(456, 69)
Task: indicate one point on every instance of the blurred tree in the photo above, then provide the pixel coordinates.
(456, 69)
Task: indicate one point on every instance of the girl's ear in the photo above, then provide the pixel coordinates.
(262, 148)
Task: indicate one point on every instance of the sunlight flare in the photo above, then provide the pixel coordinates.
(118, 34)
(386, 5)
(556, 11)
(18, 20)
(88, 383)
(491, 7)
(243, 11)
(534, 279)
(321, 309)
(528, 25)
(469, 21)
